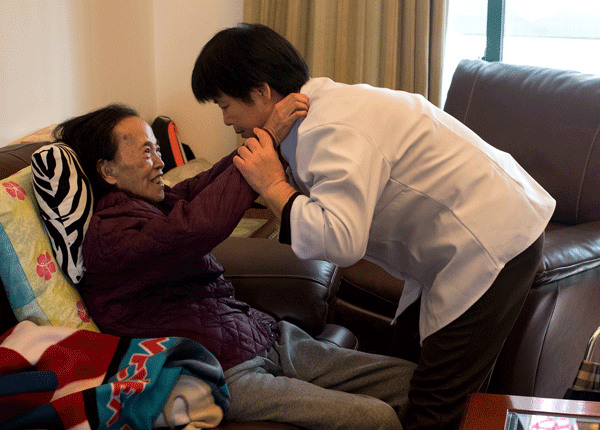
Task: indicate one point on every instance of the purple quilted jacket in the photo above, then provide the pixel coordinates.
(150, 273)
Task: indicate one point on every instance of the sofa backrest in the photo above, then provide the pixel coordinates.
(547, 119)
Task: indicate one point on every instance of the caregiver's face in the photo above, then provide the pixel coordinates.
(242, 115)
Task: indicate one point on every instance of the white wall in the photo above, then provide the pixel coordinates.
(182, 27)
(65, 57)
(61, 58)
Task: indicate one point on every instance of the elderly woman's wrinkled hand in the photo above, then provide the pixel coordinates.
(285, 114)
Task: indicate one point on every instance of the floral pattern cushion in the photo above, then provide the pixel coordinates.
(37, 289)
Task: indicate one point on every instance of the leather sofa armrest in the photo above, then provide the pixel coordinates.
(268, 275)
(569, 249)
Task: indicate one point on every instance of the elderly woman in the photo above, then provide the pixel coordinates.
(150, 272)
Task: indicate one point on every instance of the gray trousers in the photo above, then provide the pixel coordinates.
(316, 385)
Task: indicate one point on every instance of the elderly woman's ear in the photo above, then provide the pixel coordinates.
(106, 171)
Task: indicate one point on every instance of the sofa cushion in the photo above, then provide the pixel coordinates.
(65, 201)
(37, 290)
(185, 171)
(568, 250)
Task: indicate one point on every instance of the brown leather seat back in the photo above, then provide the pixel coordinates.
(548, 120)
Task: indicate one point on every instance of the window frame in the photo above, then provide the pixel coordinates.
(495, 30)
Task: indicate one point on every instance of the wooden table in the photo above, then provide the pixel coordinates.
(489, 412)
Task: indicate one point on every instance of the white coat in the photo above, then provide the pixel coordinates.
(389, 177)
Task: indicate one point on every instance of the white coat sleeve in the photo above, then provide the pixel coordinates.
(344, 174)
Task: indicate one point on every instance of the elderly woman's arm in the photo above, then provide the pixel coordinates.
(289, 110)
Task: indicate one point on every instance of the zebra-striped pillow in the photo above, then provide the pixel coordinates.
(64, 197)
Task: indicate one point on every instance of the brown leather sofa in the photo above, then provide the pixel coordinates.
(265, 274)
(549, 120)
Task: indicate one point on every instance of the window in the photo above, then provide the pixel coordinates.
(465, 36)
(563, 34)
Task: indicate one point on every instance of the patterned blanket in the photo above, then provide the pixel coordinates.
(62, 378)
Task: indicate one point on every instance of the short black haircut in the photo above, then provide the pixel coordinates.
(93, 139)
(244, 57)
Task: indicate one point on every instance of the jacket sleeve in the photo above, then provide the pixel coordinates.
(188, 188)
(345, 174)
(135, 232)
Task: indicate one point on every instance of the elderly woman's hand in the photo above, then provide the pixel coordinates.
(285, 114)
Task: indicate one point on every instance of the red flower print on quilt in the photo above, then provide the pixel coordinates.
(14, 190)
(82, 312)
(45, 267)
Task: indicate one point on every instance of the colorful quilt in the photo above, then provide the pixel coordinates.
(63, 378)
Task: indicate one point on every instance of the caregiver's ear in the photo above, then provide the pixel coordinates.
(265, 90)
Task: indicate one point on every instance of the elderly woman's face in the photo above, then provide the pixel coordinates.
(137, 167)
